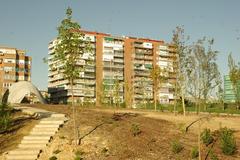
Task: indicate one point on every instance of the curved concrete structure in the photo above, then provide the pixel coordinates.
(19, 90)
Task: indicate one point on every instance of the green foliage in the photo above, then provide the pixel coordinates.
(5, 117)
(206, 136)
(117, 85)
(135, 129)
(194, 152)
(72, 44)
(53, 158)
(78, 158)
(213, 156)
(203, 75)
(176, 146)
(78, 155)
(227, 141)
(234, 74)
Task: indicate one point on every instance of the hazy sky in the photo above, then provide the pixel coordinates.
(31, 24)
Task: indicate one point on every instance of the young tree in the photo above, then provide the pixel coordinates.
(202, 71)
(159, 76)
(142, 91)
(128, 100)
(234, 74)
(101, 93)
(179, 41)
(220, 94)
(71, 45)
(116, 91)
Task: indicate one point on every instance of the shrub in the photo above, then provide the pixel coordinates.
(227, 141)
(53, 158)
(206, 137)
(135, 129)
(78, 158)
(5, 117)
(213, 156)
(78, 155)
(176, 146)
(194, 152)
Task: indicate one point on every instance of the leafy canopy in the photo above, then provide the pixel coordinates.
(71, 45)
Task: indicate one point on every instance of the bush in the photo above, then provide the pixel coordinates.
(78, 158)
(206, 137)
(213, 156)
(135, 129)
(176, 146)
(5, 117)
(78, 155)
(227, 141)
(53, 158)
(194, 152)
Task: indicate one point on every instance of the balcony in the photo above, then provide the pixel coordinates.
(113, 66)
(143, 74)
(89, 70)
(118, 60)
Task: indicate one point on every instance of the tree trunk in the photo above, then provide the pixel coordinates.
(174, 107)
(74, 118)
(175, 100)
(183, 105)
(155, 100)
(199, 140)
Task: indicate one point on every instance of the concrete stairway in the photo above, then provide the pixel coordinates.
(32, 144)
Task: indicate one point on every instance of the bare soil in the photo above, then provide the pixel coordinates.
(107, 134)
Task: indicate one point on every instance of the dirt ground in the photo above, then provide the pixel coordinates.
(109, 136)
(21, 125)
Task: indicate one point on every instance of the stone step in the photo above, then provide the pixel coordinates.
(22, 157)
(30, 112)
(51, 122)
(58, 115)
(47, 126)
(35, 137)
(32, 146)
(38, 141)
(54, 119)
(24, 151)
(40, 129)
(42, 132)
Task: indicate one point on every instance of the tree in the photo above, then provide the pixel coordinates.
(220, 94)
(5, 117)
(128, 99)
(179, 41)
(203, 74)
(71, 45)
(142, 91)
(101, 93)
(234, 74)
(159, 76)
(116, 91)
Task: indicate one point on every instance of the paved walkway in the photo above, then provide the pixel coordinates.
(32, 144)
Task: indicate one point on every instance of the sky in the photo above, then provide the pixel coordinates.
(31, 24)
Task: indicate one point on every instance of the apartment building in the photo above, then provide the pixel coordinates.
(229, 95)
(14, 66)
(121, 66)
